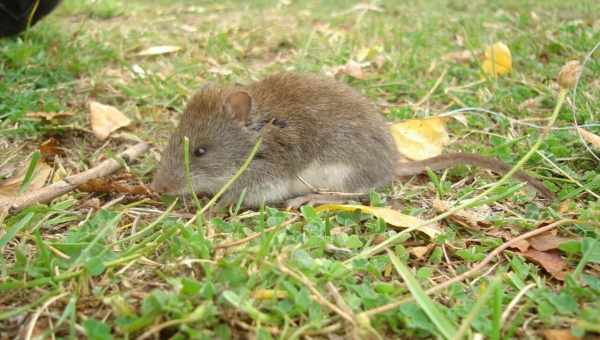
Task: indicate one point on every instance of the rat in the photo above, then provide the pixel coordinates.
(318, 134)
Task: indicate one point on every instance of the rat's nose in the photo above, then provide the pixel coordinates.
(159, 185)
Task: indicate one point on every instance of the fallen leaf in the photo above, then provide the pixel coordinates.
(497, 60)
(188, 28)
(353, 69)
(390, 216)
(531, 103)
(269, 294)
(50, 148)
(337, 251)
(9, 188)
(157, 50)
(92, 203)
(522, 245)
(48, 115)
(420, 252)
(138, 71)
(589, 137)
(365, 7)
(105, 119)
(418, 139)
(463, 57)
(549, 260)
(559, 334)
(461, 118)
(473, 218)
(107, 185)
(220, 70)
(547, 241)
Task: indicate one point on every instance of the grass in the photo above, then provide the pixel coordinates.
(137, 267)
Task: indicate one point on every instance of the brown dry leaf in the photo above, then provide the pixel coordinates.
(547, 241)
(92, 203)
(48, 115)
(497, 60)
(107, 185)
(390, 216)
(353, 69)
(157, 50)
(567, 206)
(420, 252)
(418, 139)
(9, 188)
(549, 260)
(522, 245)
(106, 119)
(559, 334)
(472, 218)
(50, 148)
(463, 57)
(589, 137)
(531, 103)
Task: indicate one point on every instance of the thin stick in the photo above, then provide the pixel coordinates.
(68, 184)
(471, 272)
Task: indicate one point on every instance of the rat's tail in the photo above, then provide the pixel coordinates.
(461, 158)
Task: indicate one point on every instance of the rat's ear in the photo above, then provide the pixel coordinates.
(239, 105)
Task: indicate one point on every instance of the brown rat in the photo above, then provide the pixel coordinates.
(317, 133)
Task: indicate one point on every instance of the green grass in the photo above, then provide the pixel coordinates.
(138, 267)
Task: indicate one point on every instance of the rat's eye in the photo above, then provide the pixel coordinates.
(199, 151)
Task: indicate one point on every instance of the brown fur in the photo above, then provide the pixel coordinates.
(315, 130)
(317, 122)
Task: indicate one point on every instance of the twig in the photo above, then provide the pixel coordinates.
(70, 183)
(255, 235)
(472, 271)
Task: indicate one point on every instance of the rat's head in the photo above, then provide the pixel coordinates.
(215, 123)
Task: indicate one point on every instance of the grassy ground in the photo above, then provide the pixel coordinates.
(127, 269)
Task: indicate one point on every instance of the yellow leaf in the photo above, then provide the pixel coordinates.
(497, 60)
(9, 188)
(105, 119)
(589, 137)
(418, 139)
(390, 216)
(269, 294)
(156, 50)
